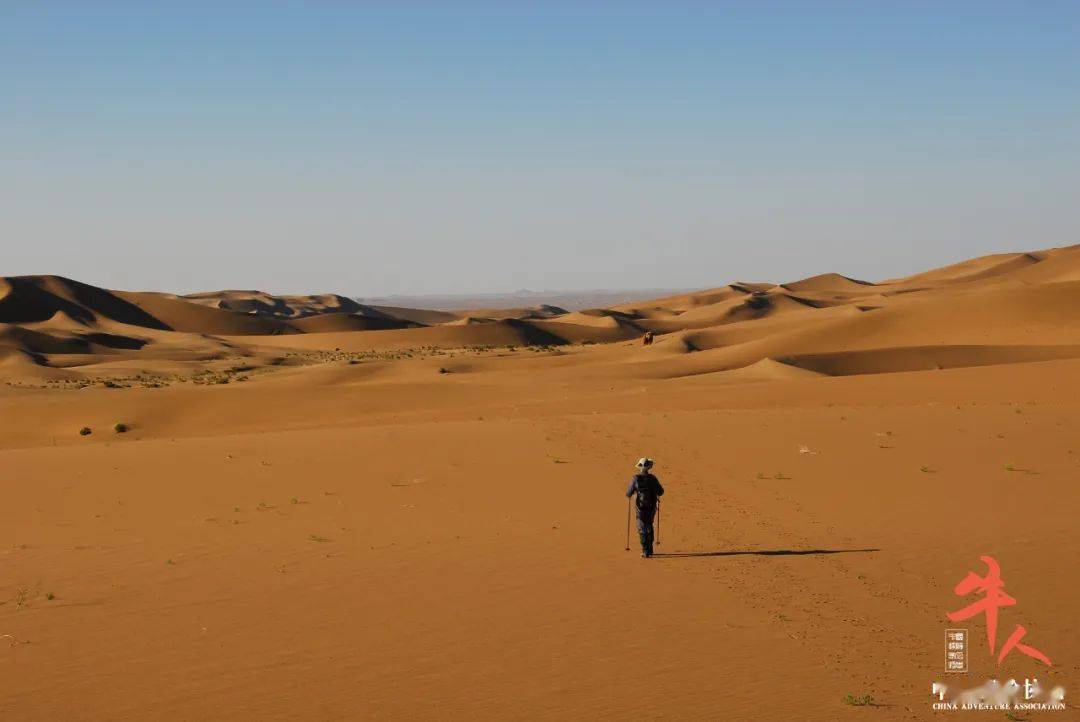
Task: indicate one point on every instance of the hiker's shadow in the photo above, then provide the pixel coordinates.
(762, 553)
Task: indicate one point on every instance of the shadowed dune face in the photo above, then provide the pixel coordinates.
(925, 358)
(338, 322)
(31, 299)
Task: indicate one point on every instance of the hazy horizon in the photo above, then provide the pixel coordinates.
(436, 149)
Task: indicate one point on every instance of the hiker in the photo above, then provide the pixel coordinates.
(648, 490)
(646, 340)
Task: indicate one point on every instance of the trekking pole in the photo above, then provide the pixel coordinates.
(657, 522)
(628, 524)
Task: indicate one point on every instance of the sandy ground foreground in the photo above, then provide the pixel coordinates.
(464, 557)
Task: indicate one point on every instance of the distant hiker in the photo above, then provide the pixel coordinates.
(648, 490)
(646, 340)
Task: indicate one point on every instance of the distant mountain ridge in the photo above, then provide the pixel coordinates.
(569, 300)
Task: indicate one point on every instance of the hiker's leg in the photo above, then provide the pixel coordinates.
(646, 517)
(644, 529)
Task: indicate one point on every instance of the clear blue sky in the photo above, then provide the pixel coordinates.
(407, 147)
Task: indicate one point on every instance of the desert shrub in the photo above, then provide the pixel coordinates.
(120, 427)
(85, 431)
(863, 700)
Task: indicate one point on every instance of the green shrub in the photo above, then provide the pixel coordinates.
(863, 700)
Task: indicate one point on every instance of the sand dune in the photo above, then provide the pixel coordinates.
(1017, 299)
(456, 334)
(180, 315)
(973, 270)
(925, 358)
(828, 282)
(30, 299)
(423, 317)
(337, 322)
(265, 304)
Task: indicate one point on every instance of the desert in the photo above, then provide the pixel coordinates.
(484, 361)
(236, 505)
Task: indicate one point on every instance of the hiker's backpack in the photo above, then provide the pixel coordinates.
(646, 491)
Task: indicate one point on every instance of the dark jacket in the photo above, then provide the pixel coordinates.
(648, 489)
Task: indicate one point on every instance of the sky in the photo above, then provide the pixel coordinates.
(372, 148)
